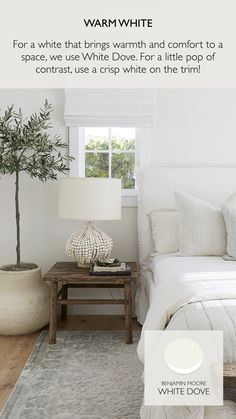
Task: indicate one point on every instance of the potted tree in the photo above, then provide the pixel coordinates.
(26, 146)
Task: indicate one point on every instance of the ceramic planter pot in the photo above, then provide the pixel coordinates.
(24, 302)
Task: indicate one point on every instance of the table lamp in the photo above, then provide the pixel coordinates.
(89, 199)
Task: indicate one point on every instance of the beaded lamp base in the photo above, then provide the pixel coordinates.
(88, 247)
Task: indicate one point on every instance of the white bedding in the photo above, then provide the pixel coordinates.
(172, 267)
(147, 285)
(185, 286)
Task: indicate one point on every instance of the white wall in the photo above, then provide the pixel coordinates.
(193, 127)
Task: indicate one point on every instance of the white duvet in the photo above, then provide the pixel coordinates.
(183, 285)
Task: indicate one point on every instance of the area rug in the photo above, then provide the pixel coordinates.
(93, 375)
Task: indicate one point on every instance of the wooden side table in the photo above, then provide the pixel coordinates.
(68, 275)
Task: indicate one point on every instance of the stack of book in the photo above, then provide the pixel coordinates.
(114, 267)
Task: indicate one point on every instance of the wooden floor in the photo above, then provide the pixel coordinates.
(15, 350)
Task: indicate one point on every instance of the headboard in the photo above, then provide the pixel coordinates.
(156, 187)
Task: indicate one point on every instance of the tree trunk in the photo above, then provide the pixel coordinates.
(17, 220)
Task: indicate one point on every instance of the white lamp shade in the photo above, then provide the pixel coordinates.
(90, 199)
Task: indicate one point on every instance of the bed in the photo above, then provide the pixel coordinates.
(172, 289)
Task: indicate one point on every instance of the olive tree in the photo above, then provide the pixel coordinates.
(27, 145)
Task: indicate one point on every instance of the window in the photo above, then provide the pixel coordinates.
(108, 152)
(110, 133)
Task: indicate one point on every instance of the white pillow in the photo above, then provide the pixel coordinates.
(230, 222)
(231, 200)
(202, 227)
(229, 213)
(165, 230)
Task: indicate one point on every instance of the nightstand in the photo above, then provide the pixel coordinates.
(64, 275)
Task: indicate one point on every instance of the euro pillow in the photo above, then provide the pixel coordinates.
(165, 230)
(231, 200)
(202, 229)
(229, 213)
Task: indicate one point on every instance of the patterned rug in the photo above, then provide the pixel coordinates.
(86, 375)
